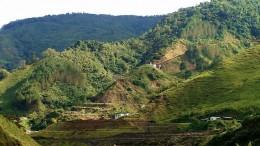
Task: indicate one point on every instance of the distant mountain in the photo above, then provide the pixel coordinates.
(20, 40)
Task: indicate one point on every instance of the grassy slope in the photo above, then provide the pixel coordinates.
(10, 135)
(234, 85)
(10, 84)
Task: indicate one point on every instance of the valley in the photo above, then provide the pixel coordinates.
(192, 78)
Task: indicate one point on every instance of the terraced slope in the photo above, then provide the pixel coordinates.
(119, 132)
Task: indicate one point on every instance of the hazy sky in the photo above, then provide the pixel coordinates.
(11, 10)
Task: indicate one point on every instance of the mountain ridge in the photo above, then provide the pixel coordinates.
(20, 40)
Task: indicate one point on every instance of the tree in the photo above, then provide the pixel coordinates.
(187, 74)
(217, 59)
(50, 53)
(199, 64)
(22, 63)
(3, 74)
(182, 66)
(35, 58)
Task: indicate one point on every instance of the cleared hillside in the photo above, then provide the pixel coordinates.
(132, 91)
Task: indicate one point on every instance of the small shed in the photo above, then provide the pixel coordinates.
(214, 118)
(120, 114)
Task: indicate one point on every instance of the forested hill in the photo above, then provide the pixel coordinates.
(220, 20)
(20, 40)
(185, 44)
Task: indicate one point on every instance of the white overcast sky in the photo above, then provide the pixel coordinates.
(11, 10)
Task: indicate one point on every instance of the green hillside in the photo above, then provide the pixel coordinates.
(192, 81)
(9, 85)
(215, 20)
(11, 135)
(21, 39)
(230, 89)
(209, 21)
(63, 79)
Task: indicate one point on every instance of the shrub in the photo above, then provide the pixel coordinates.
(153, 76)
(3, 74)
(140, 84)
(198, 126)
(187, 74)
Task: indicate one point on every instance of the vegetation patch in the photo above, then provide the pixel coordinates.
(11, 135)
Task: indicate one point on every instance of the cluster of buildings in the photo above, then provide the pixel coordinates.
(159, 66)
